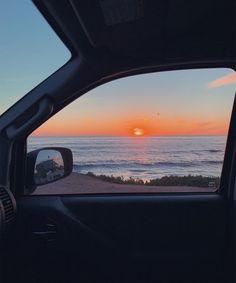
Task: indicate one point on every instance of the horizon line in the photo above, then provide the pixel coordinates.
(143, 136)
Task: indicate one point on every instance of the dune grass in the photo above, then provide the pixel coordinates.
(189, 180)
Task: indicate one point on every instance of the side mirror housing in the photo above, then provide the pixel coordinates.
(47, 165)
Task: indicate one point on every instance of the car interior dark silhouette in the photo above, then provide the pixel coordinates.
(177, 237)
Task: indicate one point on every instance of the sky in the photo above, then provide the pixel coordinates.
(30, 51)
(190, 102)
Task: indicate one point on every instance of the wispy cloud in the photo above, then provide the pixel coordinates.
(225, 80)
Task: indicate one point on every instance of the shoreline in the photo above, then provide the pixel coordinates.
(78, 183)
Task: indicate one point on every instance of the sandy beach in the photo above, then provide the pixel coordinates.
(78, 183)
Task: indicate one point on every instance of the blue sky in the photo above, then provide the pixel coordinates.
(30, 51)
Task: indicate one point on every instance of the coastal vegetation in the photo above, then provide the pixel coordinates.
(189, 180)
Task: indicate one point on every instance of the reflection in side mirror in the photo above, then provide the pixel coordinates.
(49, 167)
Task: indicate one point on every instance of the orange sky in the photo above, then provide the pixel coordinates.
(122, 127)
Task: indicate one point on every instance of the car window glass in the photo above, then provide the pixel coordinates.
(30, 51)
(159, 132)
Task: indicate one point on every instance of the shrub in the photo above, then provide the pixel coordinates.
(190, 180)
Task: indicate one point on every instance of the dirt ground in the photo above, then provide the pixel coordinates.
(82, 184)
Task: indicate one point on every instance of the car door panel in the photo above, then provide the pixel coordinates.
(96, 238)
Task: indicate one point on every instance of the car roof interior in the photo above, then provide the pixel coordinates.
(153, 32)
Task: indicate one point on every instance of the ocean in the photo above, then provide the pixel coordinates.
(141, 157)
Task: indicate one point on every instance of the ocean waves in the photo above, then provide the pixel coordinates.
(145, 158)
(131, 165)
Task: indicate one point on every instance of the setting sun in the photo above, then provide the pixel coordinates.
(138, 132)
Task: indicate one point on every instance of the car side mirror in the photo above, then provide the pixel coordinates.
(47, 165)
